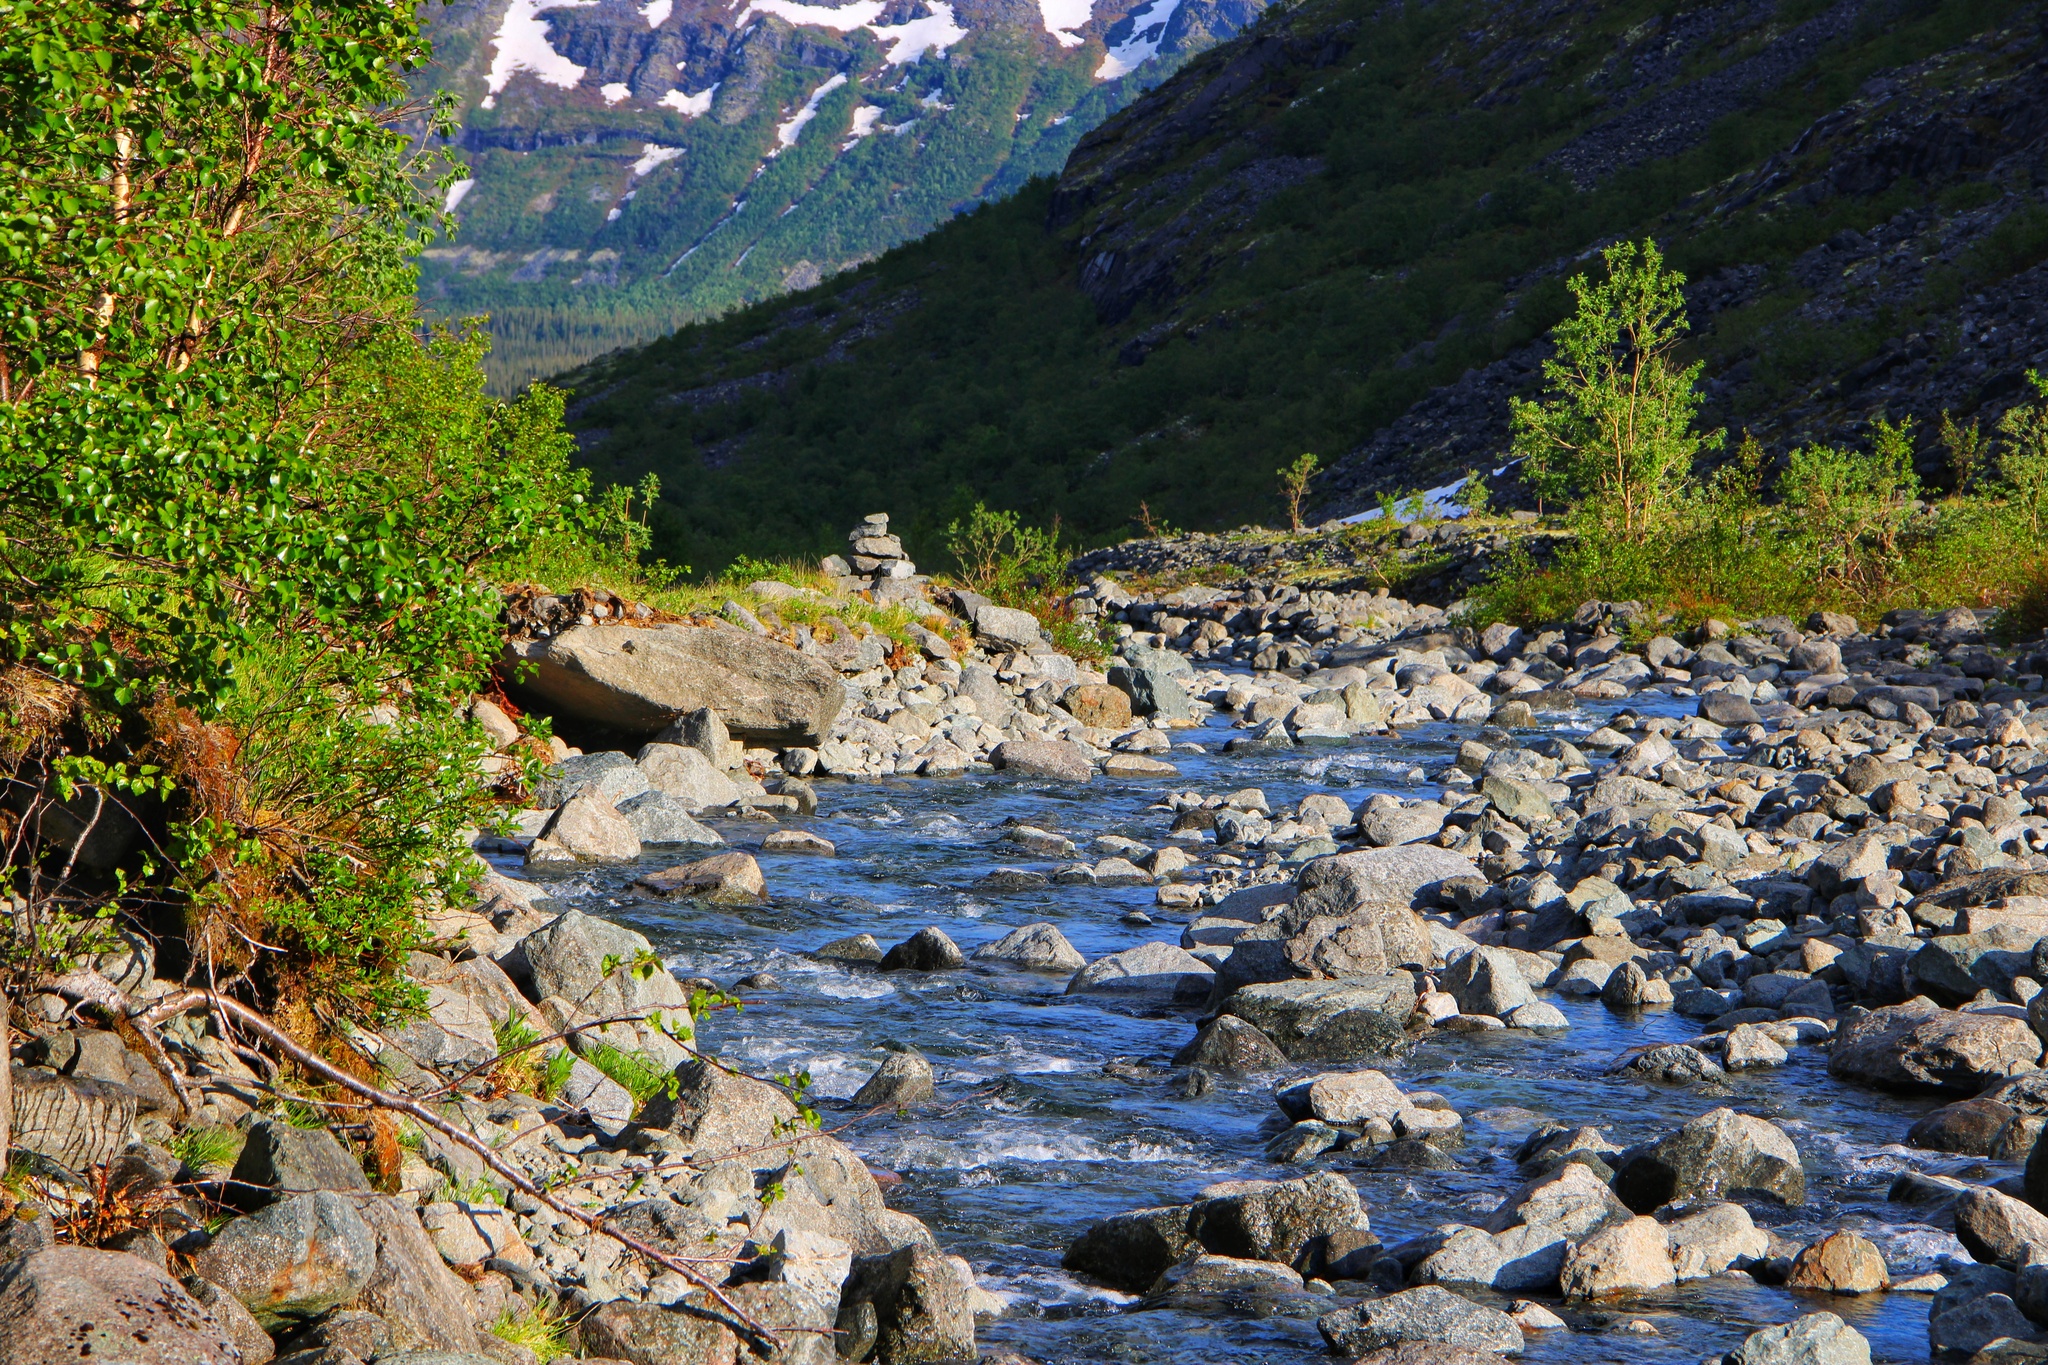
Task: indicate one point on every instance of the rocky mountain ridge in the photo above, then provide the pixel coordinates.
(1348, 231)
(632, 166)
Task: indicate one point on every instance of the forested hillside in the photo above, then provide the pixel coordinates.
(629, 166)
(1349, 231)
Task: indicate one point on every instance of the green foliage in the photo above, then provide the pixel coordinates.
(1473, 495)
(207, 1148)
(1852, 507)
(1294, 486)
(1615, 430)
(249, 510)
(1004, 559)
(2023, 455)
(538, 1328)
(641, 1073)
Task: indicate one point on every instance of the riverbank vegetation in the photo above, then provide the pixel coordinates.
(1614, 441)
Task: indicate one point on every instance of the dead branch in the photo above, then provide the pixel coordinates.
(285, 1047)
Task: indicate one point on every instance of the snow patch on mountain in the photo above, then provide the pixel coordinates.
(787, 132)
(1148, 28)
(1062, 17)
(522, 45)
(690, 106)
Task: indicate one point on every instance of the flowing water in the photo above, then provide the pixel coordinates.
(1034, 1139)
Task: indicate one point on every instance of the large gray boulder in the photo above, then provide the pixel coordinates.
(1720, 1155)
(279, 1159)
(1816, 1339)
(68, 1304)
(1353, 914)
(293, 1260)
(660, 819)
(639, 679)
(695, 1328)
(1919, 1045)
(1334, 1020)
(1487, 981)
(601, 968)
(592, 829)
(721, 1114)
(1035, 948)
(1227, 1043)
(75, 1122)
(1059, 759)
(683, 772)
(1160, 970)
(425, 1306)
(908, 1305)
(1427, 1314)
(1316, 1225)
(1998, 1229)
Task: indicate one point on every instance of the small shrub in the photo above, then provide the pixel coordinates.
(1851, 507)
(1294, 480)
(642, 1075)
(539, 1329)
(206, 1148)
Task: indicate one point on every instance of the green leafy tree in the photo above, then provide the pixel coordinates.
(1615, 427)
(2023, 456)
(1294, 481)
(1473, 495)
(1850, 507)
(247, 510)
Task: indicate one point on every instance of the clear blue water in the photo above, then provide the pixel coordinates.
(1033, 1140)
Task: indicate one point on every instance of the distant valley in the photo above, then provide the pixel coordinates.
(632, 166)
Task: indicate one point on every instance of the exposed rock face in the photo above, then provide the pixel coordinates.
(69, 1304)
(286, 1160)
(75, 1122)
(412, 1288)
(637, 680)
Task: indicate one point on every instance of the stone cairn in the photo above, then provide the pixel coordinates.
(876, 563)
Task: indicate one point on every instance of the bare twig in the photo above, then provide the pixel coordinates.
(282, 1043)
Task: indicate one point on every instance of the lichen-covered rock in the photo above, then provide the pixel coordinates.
(294, 1260)
(67, 1304)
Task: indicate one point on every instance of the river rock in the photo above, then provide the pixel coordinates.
(639, 679)
(1706, 1241)
(1098, 706)
(1966, 1127)
(1344, 1098)
(592, 828)
(1314, 1224)
(1395, 825)
(1520, 1248)
(719, 1113)
(1969, 1326)
(1840, 1263)
(1677, 1064)
(603, 970)
(67, 1304)
(279, 1159)
(912, 1304)
(927, 950)
(1150, 969)
(682, 771)
(1627, 1258)
(904, 1078)
(412, 1289)
(694, 1329)
(853, 948)
(1034, 948)
(1749, 1048)
(1335, 1020)
(723, 879)
(1204, 1276)
(660, 819)
(1816, 1339)
(1997, 1229)
(1487, 981)
(293, 1260)
(1720, 1154)
(1060, 759)
(1232, 1045)
(1920, 1045)
(608, 774)
(1130, 1251)
(1428, 1314)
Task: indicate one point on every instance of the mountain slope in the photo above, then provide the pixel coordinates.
(637, 163)
(1348, 231)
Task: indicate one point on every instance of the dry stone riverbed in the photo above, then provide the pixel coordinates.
(1055, 1111)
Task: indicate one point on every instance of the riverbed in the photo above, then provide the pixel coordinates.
(1058, 1110)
